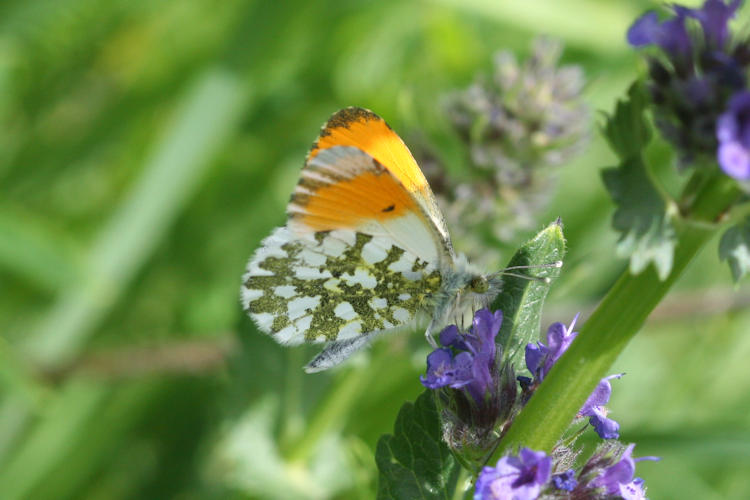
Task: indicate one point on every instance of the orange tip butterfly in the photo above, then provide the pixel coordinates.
(365, 249)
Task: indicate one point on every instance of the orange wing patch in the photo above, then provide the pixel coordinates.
(342, 187)
(365, 130)
(347, 203)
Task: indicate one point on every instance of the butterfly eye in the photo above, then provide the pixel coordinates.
(479, 284)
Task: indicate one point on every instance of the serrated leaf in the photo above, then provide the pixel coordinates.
(646, 232)
(414, 462)
(521, 300)
(734, 247)
(627, 131)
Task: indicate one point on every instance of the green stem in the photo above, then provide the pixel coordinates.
(460, 491)
(605, 334)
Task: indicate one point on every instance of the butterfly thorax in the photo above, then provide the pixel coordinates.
(463, 290)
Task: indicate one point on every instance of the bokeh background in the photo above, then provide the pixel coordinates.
(146, 149)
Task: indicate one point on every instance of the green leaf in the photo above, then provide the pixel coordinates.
(642, 219)
(646, 231)
(521, 299)
(626, 130)
(734, 247)
(414, 462)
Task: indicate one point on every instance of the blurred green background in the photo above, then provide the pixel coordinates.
(146, 149)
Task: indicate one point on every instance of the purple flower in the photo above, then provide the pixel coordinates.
(443, 369)
(540, 357)
(539, 360)
(473, 367)
(714, 17)
(618, 478)
(633, 490)
(485, 327)
(565, 481)
(517, 478)
(594, 408)
(694, 77)
(671, 35)
(733, 133)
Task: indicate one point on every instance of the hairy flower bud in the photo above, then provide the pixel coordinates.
(516, 123)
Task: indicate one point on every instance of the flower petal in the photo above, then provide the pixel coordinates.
(605, 427)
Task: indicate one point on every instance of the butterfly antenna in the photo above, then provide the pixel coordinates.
(526, 277)
(554, 265)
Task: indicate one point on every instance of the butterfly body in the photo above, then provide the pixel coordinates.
(365, 249)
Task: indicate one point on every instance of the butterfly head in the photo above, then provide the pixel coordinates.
(479, 284)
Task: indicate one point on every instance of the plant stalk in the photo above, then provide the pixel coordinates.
(619, 316)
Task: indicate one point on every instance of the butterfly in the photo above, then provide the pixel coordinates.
(365, 249)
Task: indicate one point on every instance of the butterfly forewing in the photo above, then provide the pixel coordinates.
(366, 131)
(345, 188)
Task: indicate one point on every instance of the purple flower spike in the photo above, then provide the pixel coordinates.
(697, 65)
(518, 478)
(473, 366)
(594, 408)
(618, 479)
(733, 132)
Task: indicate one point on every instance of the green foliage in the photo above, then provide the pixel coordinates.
(626, 129)
(734, 247)
(521, 300)
(135, 276)
(645, 227)
(414, 462)
(608, 330)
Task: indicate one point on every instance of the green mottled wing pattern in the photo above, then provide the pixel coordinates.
(334, 285)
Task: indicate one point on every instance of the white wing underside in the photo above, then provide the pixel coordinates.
(307, 283)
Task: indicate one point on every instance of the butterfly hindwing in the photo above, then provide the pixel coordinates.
(334, 285)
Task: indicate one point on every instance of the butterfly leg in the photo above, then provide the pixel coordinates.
(428, 335)
(336, 352)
